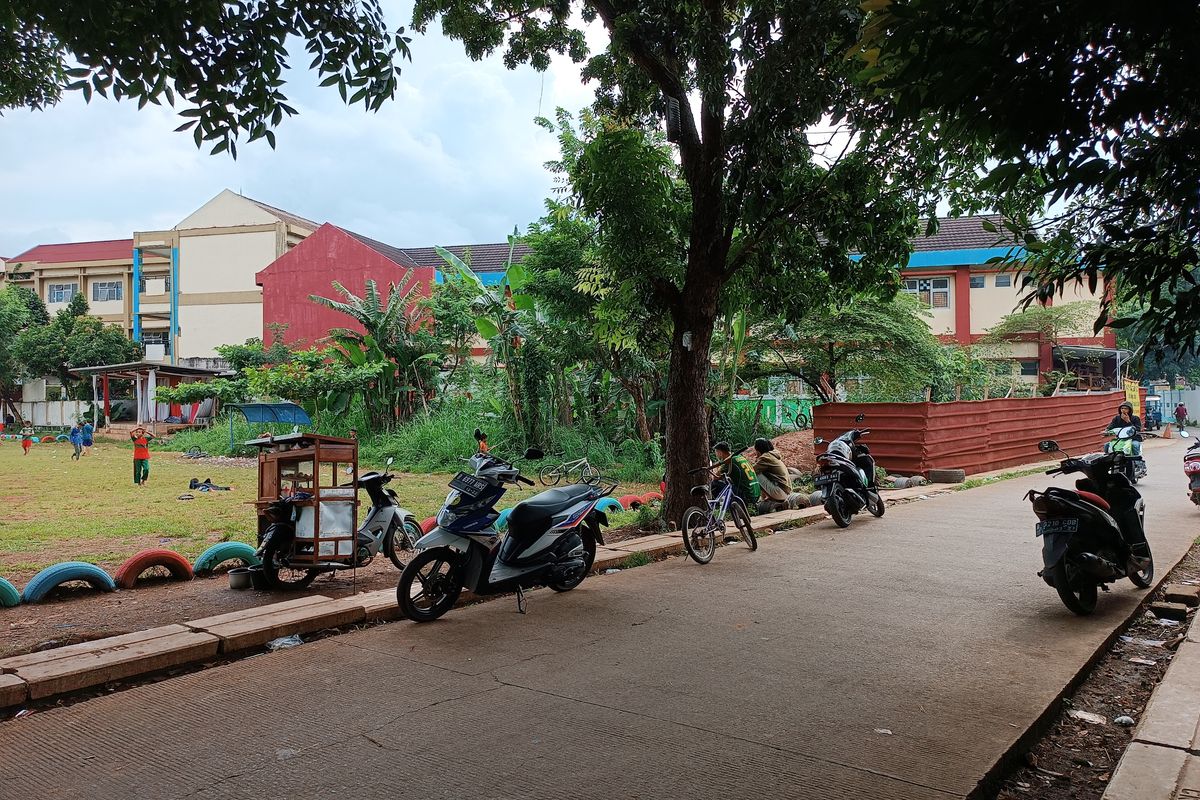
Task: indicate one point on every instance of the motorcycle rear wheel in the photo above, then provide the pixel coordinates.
(835, 504)
(432, 575)
(875, 504)
(1077, 592)
(1144, 577)
(281, 576)
(589, 558)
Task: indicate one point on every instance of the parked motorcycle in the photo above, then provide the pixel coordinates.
(1191, 468)
(551, 540)
(846, 477)
(1122, 442)
(386, 527)
(1092, 535)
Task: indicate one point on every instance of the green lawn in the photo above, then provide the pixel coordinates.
(55, 509)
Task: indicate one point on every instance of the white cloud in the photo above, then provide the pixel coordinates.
(455, 158)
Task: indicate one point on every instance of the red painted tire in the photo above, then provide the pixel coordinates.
(127, 574)
(630, 502)
(651, 497)
(47, 440)
(428, 524)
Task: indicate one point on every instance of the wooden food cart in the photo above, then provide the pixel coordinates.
(309, 471)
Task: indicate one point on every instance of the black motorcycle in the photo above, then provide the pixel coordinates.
(1092, 535)
(846, 478)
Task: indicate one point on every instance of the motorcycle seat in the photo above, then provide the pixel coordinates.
(537, 510)
(1094, 498)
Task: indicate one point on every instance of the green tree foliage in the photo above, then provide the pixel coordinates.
(886, 342)
(224, 61)
(449, 307)
(1046, 324)
(762, 198)
(1088, 106)
(71, 340)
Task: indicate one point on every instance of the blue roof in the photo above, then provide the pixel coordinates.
(288, 413)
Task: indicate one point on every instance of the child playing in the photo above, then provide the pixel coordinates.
(141, 455)
(76, 437)
(89, 431)
(26, 439)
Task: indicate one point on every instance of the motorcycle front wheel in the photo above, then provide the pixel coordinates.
(835, 504)
(1077, 591)
(400, 541)
(429, 586)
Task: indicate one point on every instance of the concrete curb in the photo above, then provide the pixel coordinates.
(37, 676)
(1163, 760)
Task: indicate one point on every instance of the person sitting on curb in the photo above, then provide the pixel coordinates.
(740, 474)
(773, 477)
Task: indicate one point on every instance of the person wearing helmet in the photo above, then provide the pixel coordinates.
(1126, 418)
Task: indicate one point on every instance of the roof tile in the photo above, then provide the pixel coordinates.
(106, 250)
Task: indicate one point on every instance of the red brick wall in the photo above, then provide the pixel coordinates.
(973, 435)
(310, 267)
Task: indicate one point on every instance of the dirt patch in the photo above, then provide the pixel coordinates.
(74, 613)
(795, 449)
(1076, 758)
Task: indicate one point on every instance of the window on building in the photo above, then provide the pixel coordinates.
(1029, 368)
(933, 292)
(103, 291)
(61, 292)
(159, 337)
(978, 281)
(1003, 280)
(165, 278)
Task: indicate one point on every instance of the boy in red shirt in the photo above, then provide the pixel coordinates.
(141, 455)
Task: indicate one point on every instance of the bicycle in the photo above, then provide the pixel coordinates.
(577, 471)
(797, 420)
(702, 526)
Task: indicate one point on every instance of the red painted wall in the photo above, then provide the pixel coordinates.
(310, 267)
(973, 435)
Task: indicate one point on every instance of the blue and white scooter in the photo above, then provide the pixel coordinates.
(551, 539)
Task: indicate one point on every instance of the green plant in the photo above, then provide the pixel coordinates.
(639, 559)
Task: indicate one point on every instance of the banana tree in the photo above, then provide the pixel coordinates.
(500, 313)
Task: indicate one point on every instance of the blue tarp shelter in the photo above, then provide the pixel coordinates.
(286, 413)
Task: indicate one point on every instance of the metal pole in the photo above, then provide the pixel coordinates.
(95, 400)
(137, 291)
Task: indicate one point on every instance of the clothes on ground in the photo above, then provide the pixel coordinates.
(206, 486)
(773, 476)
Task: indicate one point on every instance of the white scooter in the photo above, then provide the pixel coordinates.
(386, 526)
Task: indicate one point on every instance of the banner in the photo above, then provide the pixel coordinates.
(1133, 396)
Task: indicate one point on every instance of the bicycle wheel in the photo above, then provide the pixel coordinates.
(699, 535)
(550, 475)
(590, 475)
(741, 520)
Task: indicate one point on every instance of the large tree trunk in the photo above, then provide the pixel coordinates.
(686, 426)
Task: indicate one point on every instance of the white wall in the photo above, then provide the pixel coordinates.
(106, 307)
(202, 328)
(50, 413)
(227, 209)
(225, 262)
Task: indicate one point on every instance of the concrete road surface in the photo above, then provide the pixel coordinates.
(900, 658)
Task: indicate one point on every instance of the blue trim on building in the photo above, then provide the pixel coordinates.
(490, 278)
(173, 328)
(957, 258)
(137, 291)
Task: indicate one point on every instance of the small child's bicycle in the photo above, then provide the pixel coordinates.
(702, 527)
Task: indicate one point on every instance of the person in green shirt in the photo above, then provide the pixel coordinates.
(739, 473)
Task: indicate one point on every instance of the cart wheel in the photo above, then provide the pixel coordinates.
(282, 576)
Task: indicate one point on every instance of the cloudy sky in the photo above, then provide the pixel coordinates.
(454, 159)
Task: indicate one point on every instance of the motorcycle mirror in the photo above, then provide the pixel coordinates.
(533, 454)
(1184, 434)
(389, 461)
(860, 417)
(1047, 445)
(818, 440)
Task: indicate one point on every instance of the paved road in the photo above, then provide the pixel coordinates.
(766, 675)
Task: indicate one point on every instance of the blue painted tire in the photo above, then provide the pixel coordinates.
(221, 552)
(62, 437)
(609, 504)
(502, 520)
(9, 596)
(51, 577)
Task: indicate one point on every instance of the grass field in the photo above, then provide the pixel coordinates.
(54, 509)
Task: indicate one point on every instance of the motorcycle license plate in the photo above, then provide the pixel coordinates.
(1058, 526)
(825, 480)
(468, 485)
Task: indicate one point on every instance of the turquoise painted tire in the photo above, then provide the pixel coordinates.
(9, 596)
(62, 437)
(51, 577)
(502, 520)
(221, 552)
(609, 504)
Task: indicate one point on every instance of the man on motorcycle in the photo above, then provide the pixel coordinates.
(1126, 418)
(739, 473)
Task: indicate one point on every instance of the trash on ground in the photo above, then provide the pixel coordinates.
(285, 642)
(1169, 623)
(1142, 642)
(186, 496)
(1087, 716)
(1145, 662)
(611, 571)
(1124, 721)
(884, 731)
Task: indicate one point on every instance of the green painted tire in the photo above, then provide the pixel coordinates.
(9, 596)
(221, 552)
